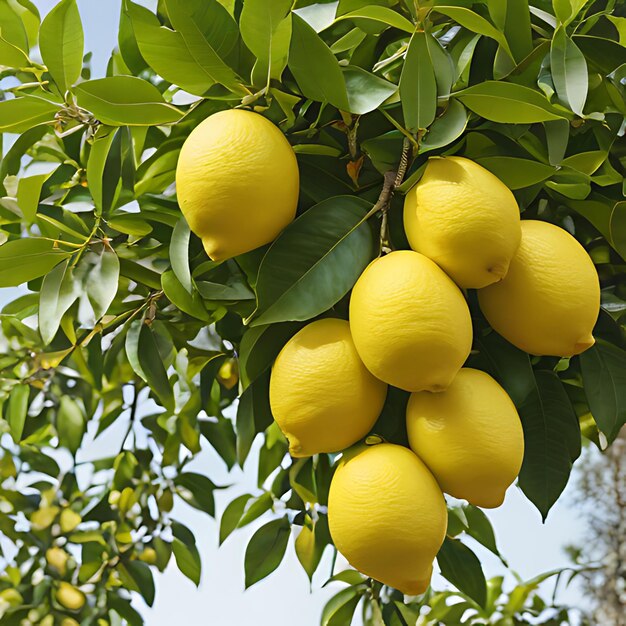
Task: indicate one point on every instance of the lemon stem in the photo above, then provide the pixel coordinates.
(391, 182)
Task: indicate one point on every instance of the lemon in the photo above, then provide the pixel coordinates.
(387, 515)
(465, 219)
(469, 436)
(321, 395)
(550, 300)
(57, 558)
(237, 182)
(410, 323)
(70, 597)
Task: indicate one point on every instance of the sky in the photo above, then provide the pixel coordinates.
(285, 597)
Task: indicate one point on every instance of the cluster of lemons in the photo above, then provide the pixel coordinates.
(409, 326)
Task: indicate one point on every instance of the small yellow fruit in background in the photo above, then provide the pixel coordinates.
(69, 621)
(387, 515)
(70, 597)
(321, 395)
(57, 558)
(149, 555)
(410, 323)
(237, 182)
(550, 300)
(69, 520)
(469, 436)
(465, 219)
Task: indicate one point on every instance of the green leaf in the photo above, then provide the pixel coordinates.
(445, 129)
(22, 260)
(366, 91)
(315, 67)
(617, 228)
(604, 375)
(462, 568)
(103, 169)
(340, 609)
(517, 173)
(201, 46)
(480, 528)
(142, 579)
(177, 295)
(179, 254)
(17, 410)
(266, 30)
(569, 71)
(418, 86)
(253, 415)
(152, 366)
(58, 293)
(517, 27)
(13, 28)
(310, 544)
(551, 441)
(21, 114)
(196, 490)
(70, 424)
(256, 508)
(187, 557)
(474, 22)
(380, 14)
(508, 103)
(586, 162)
(126, 100)
(28, 193)
(61, 44)
(259, 347)
(557, 138)
(102, 282)
(231, 516)
(314, 262)
(221, 435)
(265, 550)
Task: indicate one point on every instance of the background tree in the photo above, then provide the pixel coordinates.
(123, 306)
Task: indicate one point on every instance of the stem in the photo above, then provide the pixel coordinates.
(392, 180)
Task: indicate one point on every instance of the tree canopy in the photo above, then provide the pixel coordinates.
(121, 304)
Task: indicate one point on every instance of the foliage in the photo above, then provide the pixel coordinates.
(122, 305)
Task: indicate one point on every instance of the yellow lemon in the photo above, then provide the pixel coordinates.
(387, 516)
(410, 323)
(237, 182)
(465, 219)
(57, 558)
(469, 436)
(70, 597)
(550, 300)
(321, 395)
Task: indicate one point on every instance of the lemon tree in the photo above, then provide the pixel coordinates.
(124, 314)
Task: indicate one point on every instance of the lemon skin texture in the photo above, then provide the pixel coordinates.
(550, 300)
(410, 323)
(465, 219)
(387, 516)
(237, 182)
(321, 395)
(469, 436)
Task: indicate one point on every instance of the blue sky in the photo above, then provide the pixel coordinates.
(285, 597)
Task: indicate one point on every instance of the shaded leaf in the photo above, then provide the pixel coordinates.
(569, 71)
(21, 114)
(102, 282)
(196, 490)
(70, 424)
(462, 568)
(22, 260)
(339, 610)
(366, 91)
(265, 550)
(179, 253)
(314, 262)
(231, 516)
(517, 173)
(17, 410)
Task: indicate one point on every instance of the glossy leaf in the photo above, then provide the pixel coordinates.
(315, 67)
(418, 86)
(103, 281)
(365, 91)
(22, 260)
(569, 71)
(61, 44)
(508, 103)
(462, 568)
(231, 516)
(125, 100)
(328, 246)
(186, 553)
(17, 410)
(604, 374)
(70, 424)
(20, 114)
(339, 610)
(58, 292)
(445, 129)
(265, 550)
(517, 173)
(380, 14)
(196, 490)
(266, 30)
